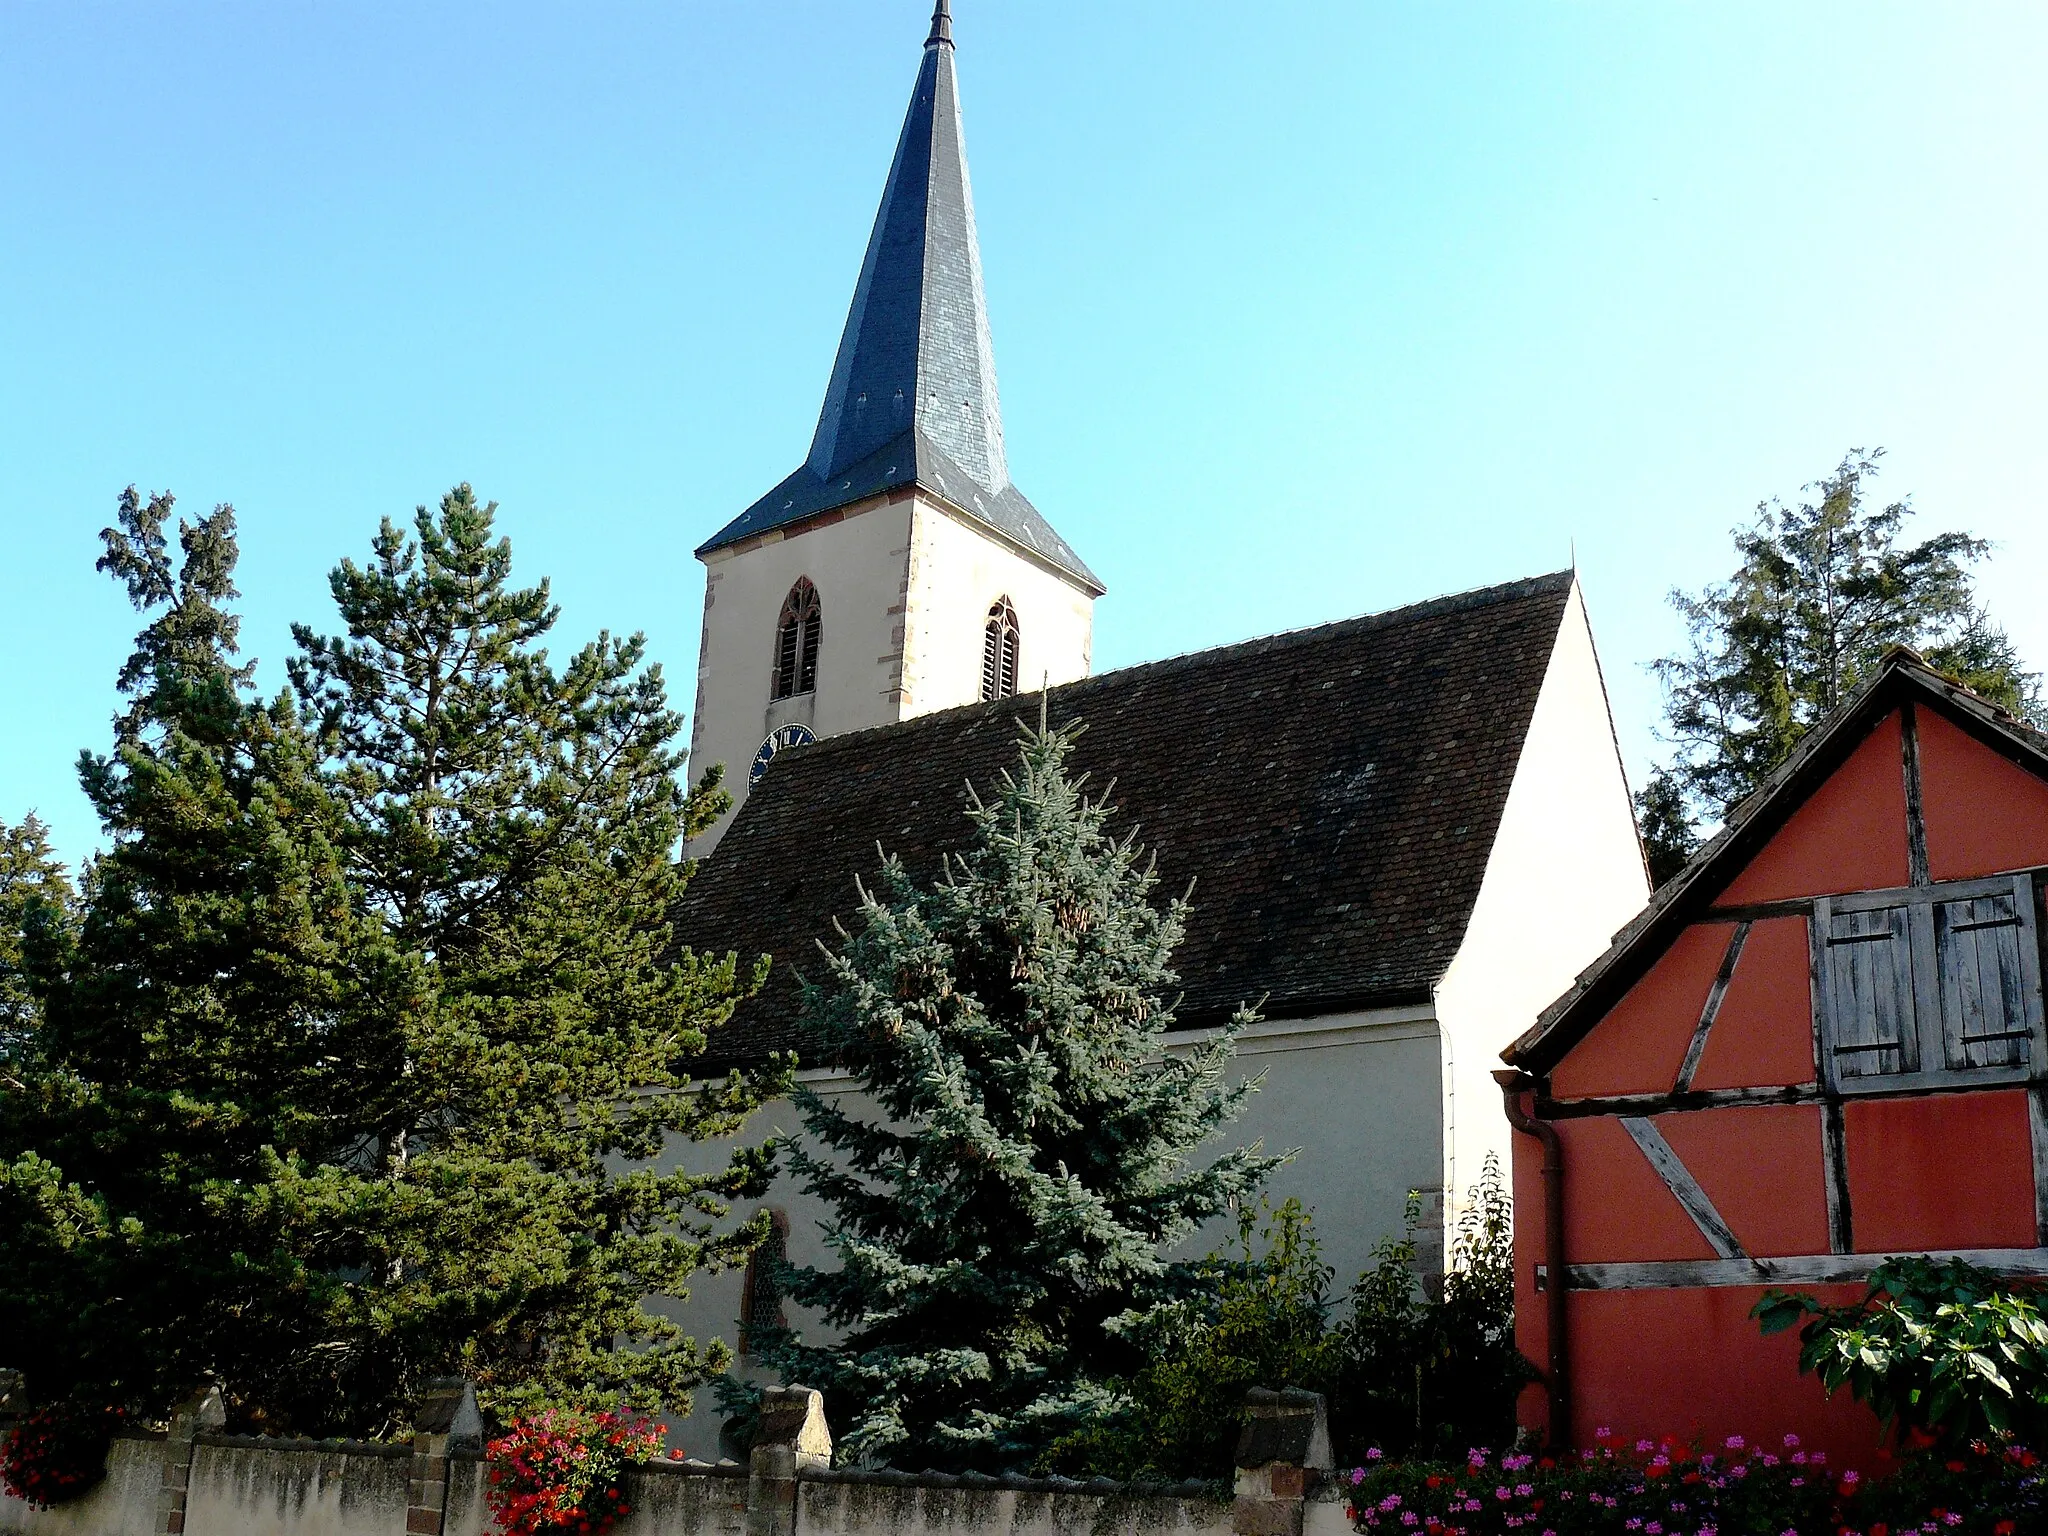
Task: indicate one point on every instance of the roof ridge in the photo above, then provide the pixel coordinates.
(1389, 618)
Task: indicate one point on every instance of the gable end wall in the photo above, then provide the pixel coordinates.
(1667, 1175)
(1565, 871)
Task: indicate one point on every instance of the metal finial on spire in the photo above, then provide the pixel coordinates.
(942, 25)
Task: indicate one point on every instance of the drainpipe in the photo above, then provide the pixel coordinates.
(1512, 1086)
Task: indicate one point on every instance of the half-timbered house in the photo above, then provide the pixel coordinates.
(1820, 1044)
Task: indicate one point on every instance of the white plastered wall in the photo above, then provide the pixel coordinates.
(1565, 872)
(957, 572)
(860, 566)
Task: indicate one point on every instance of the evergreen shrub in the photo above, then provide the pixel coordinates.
(1027, 1152)
(1402, 1371)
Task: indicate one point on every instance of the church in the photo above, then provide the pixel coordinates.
(1406, 832)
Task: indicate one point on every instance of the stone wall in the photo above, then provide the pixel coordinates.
(198, 1481)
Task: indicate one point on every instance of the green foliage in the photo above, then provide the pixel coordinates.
(35, 906)
(1433, 1377)
(514, 828)
(352, 1067)
(1666, 821)
(1262, 1320)
(1943, 1349)
(1400, 1371)
(1822, 591)
(214, 1005)
(1003, 1197)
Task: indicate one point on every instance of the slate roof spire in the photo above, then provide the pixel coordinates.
(912, 398)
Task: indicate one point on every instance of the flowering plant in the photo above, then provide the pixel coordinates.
(565, 1472)
(1665, 1488)
(58, 1452)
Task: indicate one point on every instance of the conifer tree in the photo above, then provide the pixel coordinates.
(214, 1009)
(354, 1065)
(1002, 1217)
(515, 827)
(1823, 589)
(35, 894)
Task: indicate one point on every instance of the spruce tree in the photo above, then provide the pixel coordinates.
(1002, 1217)
(515, 826)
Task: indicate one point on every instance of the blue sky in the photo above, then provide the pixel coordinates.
(1300, 310)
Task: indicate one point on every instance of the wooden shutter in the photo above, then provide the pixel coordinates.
(1865, 971)
(1990, 976)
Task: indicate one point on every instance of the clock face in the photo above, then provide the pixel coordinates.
(791, 735)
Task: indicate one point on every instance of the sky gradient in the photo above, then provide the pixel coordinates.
(1300, 311)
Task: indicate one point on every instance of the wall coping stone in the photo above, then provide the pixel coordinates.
(1105, 1487)
(390, 1450)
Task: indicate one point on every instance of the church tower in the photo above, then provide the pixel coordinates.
(897, 571)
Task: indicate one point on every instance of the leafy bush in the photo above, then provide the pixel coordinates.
(1264, 1322)
(566, 1472)
(1946, 1351)
(1401, 1371)
(58, 1452)
(1650, 1489)
(1417, 1376)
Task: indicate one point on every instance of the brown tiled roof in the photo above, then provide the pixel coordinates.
(1333, 793)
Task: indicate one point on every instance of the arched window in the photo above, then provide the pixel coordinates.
(760, 1297)
(796, 641)
(999, 652)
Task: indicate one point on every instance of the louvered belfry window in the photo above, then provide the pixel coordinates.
(1929, 984)
(796, 641)
(999, 652)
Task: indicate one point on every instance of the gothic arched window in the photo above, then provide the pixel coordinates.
(796, 641)
(760, 1296)
(999, 651)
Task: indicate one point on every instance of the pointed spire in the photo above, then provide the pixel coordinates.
(916, 349)
(912, 398)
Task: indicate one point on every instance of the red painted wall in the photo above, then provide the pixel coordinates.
(1692, 1362)
(1850, 835)
(1638, 1046)
(1941, 1171)
(1985, 814)
(1762, 1168)
(1953, 1171)
(1763, 1036)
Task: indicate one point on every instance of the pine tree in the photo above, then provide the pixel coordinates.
(210, 1012)
(352, 1072)
(1823, 590)
(515, 828)
(35, 895)
(1002, 1218)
